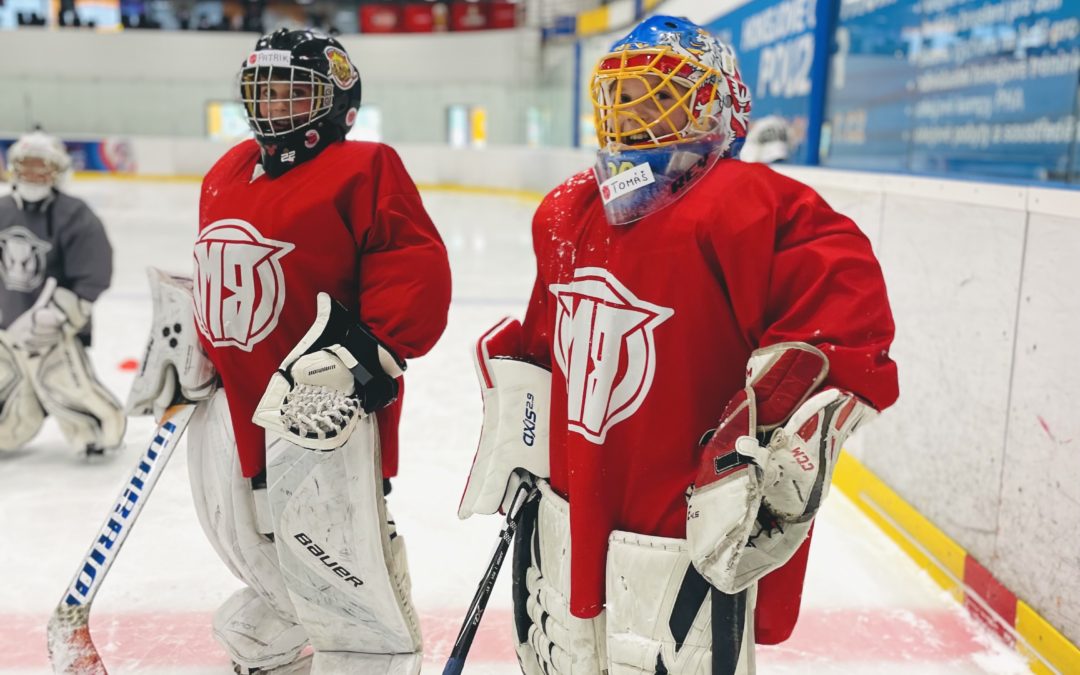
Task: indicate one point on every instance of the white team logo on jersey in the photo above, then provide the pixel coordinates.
(604, 345)
(22, 259)
(239, 283)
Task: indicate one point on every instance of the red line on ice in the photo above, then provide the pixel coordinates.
(157, 640)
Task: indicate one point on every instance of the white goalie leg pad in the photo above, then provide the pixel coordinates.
(88, 413)
(514, 436)
(174, 357)
(21, 414)
(347, 579)
(557, 643)
(256, 636)
(257, 626)
(661, 616)
(335, 663)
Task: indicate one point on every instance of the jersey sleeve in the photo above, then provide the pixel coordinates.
(404, 278)
(87, 254)
(827, 289)
(799, 271)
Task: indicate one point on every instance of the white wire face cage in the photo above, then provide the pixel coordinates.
(47, 150)
(279, 100)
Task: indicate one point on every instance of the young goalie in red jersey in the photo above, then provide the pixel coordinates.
(702, 336)
(317, 273)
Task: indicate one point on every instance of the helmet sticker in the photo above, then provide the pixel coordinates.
(341, 69)
(628, 180)
(270, 57)
(350, 117)
(311, 138)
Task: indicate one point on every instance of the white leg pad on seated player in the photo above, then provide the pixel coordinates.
(348, 581)
(21, 413)
(174, 357)
(226, 507)
(69, 391)
(557, 643)
(514, 435)
(660, 613)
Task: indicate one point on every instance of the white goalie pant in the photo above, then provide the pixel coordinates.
(88, 414)
(661, 616)
(334, 574)
(59, 382)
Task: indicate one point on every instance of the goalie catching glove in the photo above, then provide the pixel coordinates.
(751, 505)
(337, 374)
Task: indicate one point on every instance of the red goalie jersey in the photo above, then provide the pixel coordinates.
(647, 328)
(349, 223)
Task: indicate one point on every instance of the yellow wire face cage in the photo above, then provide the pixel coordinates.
(282, 99)
(652, 97)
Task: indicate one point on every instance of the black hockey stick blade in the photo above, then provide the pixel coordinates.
(456, 662)
(71, 650)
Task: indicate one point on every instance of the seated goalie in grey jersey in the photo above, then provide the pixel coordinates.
(55, 261)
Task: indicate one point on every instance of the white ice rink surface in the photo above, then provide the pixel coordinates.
(867, 609)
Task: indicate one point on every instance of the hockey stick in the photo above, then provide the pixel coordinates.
(70, 648)
(456, 662)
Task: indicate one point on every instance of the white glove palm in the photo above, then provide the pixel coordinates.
(321, 403)
(338, 373)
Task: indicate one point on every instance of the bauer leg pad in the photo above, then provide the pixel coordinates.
(226, 505)
(255, 635)
(89, 415)
(21, 413)
(347, 578)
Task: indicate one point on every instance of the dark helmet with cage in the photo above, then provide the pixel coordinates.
(300, 92)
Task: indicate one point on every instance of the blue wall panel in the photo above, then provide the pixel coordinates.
(955, 86)
(780, 44)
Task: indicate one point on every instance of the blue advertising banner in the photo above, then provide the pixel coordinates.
(955, 86)
(114, 155)
(781, 45)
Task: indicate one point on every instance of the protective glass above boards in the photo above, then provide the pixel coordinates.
(955, 86)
